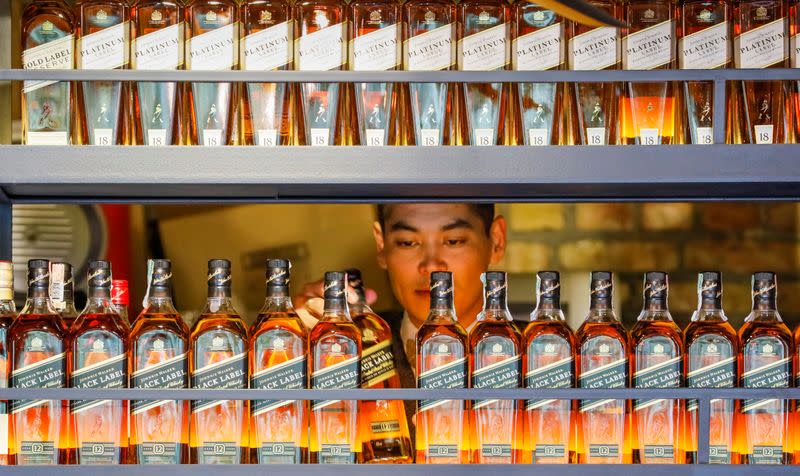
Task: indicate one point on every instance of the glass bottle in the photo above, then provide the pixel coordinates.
(794, 62)
(62, 292)
(218, 359)
(765, 361)
(267, 45)
(430, 45)
(549, 363)
(656, 362)
(48, 42)
(710, 362)
(38, 428)
(278, 359)
(103, 32)
(159, 430)
(213, 41)
(320, 45)
(335, 363)
(384, 429)
(602, 363)
(8, 312)
(157, 36)
(120, 298)
(98, 359)
(442, 351)
(484, 46)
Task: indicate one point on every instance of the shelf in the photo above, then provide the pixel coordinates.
(369, 174)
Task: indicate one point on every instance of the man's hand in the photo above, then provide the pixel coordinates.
(309, 303)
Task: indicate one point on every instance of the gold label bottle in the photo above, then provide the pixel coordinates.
(213, 42)
(335, 363)
(602, 363)
(538, 45)
(496, 362)
(320, 45)
(484, 45)
(8, 312)
(103, 43)
(549, 363)
(38, 359)
(157, 32)
(648, 110)
(266, 45)
(48, 42)
(442, 362)
(99, 359)
(656, 362)
(710, 362)
(705, 42)
(278, 359)
(159, 359)
(430, 45)
(765, 361)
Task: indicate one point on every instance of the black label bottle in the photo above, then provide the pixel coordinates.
(8, 312)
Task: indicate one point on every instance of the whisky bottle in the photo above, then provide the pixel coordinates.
(375, 46)
(794, 62)
(602, 363)
(648, 110)
(120, 298)
(761, 41)
(278, 359)
(48, 42)
(710, 362)
(213, 41)
(384, 429)
(266, 45)
(538, 45)
(705, 42)
(656, 362)
(159, 345)
(335, 363)
(157, 32)
(37, 353)
(218, 359)
(549, 363)
(62, 292)
(430, 45)
(495, 362)
(320, 45)
(483, 45)
(442, 352)
(103, 29)
(8, 312)
(594, 115)
(765, 361)
(98, 359)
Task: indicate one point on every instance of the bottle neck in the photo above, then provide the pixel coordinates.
(655, 305)
(99, 293)
(710, 304)
(7, 306)
(159, 304)
(335, 306)
(38, 304)
(599, 303)
(277, 300)
(219, 292)
(765, 304)
(442, 315)
(99, 304)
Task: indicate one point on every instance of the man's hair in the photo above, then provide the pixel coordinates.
(485, 212)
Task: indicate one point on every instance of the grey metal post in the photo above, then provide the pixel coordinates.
(703, 429)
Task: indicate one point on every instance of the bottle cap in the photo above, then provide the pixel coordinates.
(6, 281)
(441, 286)
(99, 274)
(219, 273)
(119, 292)
(335, 285)
(765, 285)
(494, 286)
(656, 286)
(709, 285)
(278, 273)
(160, 274)
(38, 273)
(602, 285)
(548, 284)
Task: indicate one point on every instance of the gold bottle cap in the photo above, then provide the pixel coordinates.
(6, 281)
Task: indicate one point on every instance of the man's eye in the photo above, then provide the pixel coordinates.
(455, 241)
(405, 243)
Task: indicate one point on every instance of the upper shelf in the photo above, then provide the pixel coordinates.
(368, 174)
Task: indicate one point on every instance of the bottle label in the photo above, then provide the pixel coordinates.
(773, 373)
(268, 49)
(159, 50)
(450, 375)
(649, 48)
(158, 452)
(56, 54)
(496, 450)
(486, 50)
(345, 374)
(289, 375)
(604, 451)
(443, 451)
(37, 452)
(267, 137)
(761, 47)
(719, 454)
(322, 50)
(106, 49)
(764, 133)
(432, 50)
(376, 51)
(228, 373)
(705, 135)
(612, 371)
(706, 49)
(711, 365)
(214, 50)
(495, 367)
(484, 137)
(169, 373)
(595, 136)
(549, 451)
(98, 453)
(46, 373)
(375, 137)
(658, 366)
(538, 137)
(279, 452)
(657, 452)
(336, 454)
(219, 452)
(109, 373)
(767, 455)
(794, 50)
(156, 137)
(103, 137)
(377, 364)
(550, 357)
(320, 137)
(430, 137)
(212, 137)
(649, 136)
(392, 426)
(596, 49)
(539, 50)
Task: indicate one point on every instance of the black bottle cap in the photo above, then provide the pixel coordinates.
(278, 273)
(548, 287)
(709, 287)
(219, 273)
(656, 286)
(335, 286)
(39, 273)
(99, 274)
(441, 289)
(765, 284)
(495, 287)
(161, 277)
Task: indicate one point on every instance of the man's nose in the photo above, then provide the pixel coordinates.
(432, 261)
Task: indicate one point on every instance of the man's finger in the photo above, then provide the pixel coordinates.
(371, 295)
(311, 312)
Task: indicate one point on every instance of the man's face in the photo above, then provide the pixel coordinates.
(421, 238)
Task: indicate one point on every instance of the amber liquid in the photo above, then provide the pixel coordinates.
(7, 316)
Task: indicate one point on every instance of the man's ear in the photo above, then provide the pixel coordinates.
(377, 233)
(497, 233)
